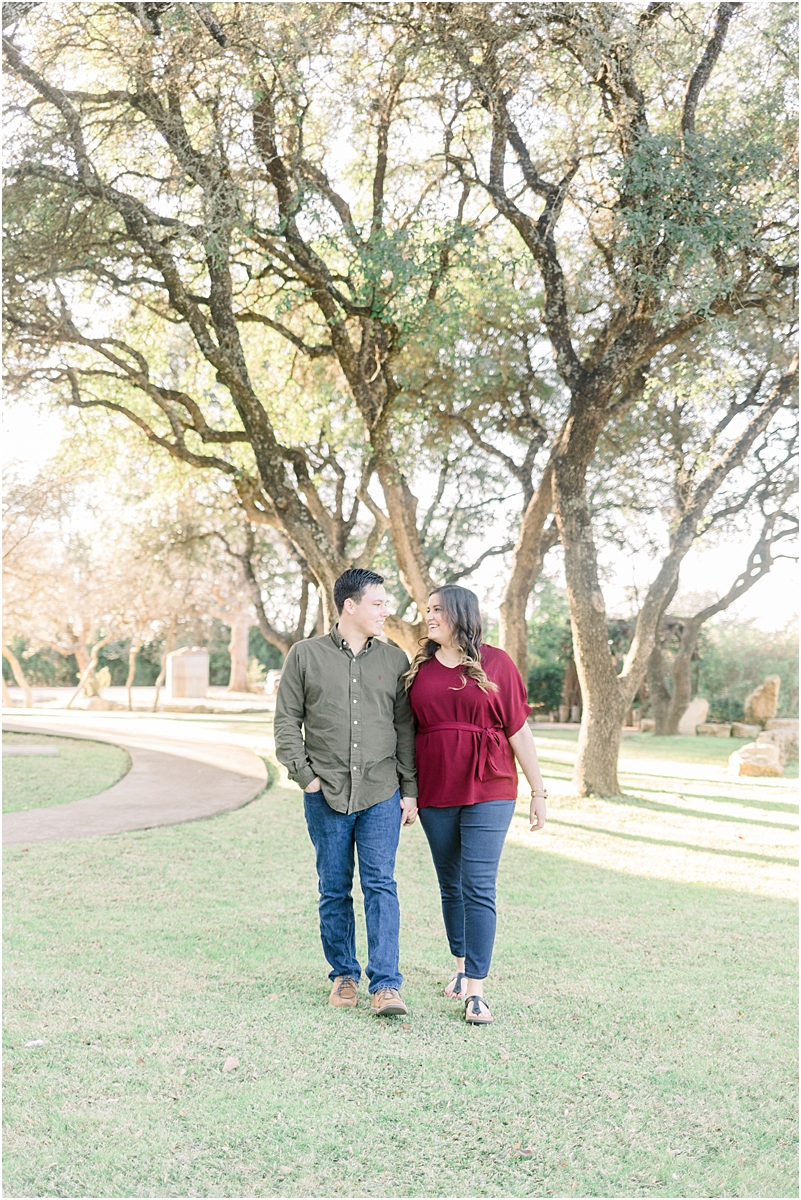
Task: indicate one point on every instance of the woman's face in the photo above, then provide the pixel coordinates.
(440, 628)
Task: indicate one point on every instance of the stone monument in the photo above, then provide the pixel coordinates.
(187, 673)
(693, 716)
(762, 703)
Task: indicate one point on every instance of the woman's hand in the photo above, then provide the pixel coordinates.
(536, 813)
(408, 810)
(525, 752)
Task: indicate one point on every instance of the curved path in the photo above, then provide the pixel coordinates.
(170, 781)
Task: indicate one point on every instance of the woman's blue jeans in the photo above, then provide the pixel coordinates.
(466, 841)
(374, 833)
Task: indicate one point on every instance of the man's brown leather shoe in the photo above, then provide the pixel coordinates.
(343, 992)
(387, 1002)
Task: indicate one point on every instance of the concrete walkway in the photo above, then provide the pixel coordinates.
(171, 780)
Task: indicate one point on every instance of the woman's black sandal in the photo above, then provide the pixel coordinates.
(473, 1015)
(454, 988)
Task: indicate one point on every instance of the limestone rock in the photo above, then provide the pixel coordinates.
(693, 716)
(713, 729)
(756, 760)
(647, 726)
(782, 723)
(762, 703)
(785, 740)
(98, 704)
(740, 729)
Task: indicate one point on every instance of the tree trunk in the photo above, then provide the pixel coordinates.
(7, 702)
(133, 651)
(526, 566)
(83, 657)
(402, 511)
(405, 634)
(412, 568)
(89, 672)
(19, 676)
(163, 670)
(657, 690)
(682, 683)
(238, 647)
(603, 705)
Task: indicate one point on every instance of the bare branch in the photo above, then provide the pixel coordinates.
(701, 74)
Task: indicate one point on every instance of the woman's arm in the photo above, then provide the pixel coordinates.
(525, 752)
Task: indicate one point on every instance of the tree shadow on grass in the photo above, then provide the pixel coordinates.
(745, 802)
(640, 837)
(658, 806)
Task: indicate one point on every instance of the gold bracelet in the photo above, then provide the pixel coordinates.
(543, 793)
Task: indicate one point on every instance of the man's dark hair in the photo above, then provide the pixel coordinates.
(351, 585)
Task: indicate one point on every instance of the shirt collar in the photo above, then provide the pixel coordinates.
(341, 644)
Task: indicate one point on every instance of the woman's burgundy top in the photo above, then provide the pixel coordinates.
(462, 748)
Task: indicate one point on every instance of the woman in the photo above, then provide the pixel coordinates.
(469, 704)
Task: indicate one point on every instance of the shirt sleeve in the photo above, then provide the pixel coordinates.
(404, 731)
(512, 696)
(290, 711)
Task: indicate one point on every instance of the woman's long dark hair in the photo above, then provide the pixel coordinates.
(461, 609)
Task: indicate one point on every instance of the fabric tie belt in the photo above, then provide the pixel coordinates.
(490, 741)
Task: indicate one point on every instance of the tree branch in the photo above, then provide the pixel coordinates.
(701, 74)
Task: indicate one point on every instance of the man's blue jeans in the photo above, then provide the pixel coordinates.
(374, 833)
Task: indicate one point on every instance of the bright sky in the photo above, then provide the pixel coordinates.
(32, 438)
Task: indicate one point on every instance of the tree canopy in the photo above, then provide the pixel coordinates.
(330, 252)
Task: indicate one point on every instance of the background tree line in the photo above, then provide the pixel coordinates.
(543, 254)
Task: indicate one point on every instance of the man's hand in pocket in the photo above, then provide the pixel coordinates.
(314, 786)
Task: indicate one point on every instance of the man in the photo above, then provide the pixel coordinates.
(345, 693)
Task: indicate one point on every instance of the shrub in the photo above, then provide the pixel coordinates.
(545, 685)
(725, 709)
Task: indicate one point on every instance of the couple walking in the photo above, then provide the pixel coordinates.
(360, 730)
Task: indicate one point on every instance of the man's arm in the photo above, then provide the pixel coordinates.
(290, 710)
(404, 732)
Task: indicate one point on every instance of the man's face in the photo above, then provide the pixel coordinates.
(371, 612)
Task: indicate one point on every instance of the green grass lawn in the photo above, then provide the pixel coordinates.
(81, 769)
(645, 1031)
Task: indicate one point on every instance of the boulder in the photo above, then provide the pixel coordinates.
(782, 723)
(785, 740)
(756, 760)
(713, 729)
(647, 726)
(98, 704)
(739, 729)
(762, 703)
(693, 716)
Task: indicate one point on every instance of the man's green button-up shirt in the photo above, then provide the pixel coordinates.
(347, 720)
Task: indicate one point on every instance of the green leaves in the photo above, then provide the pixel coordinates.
(686, 209)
